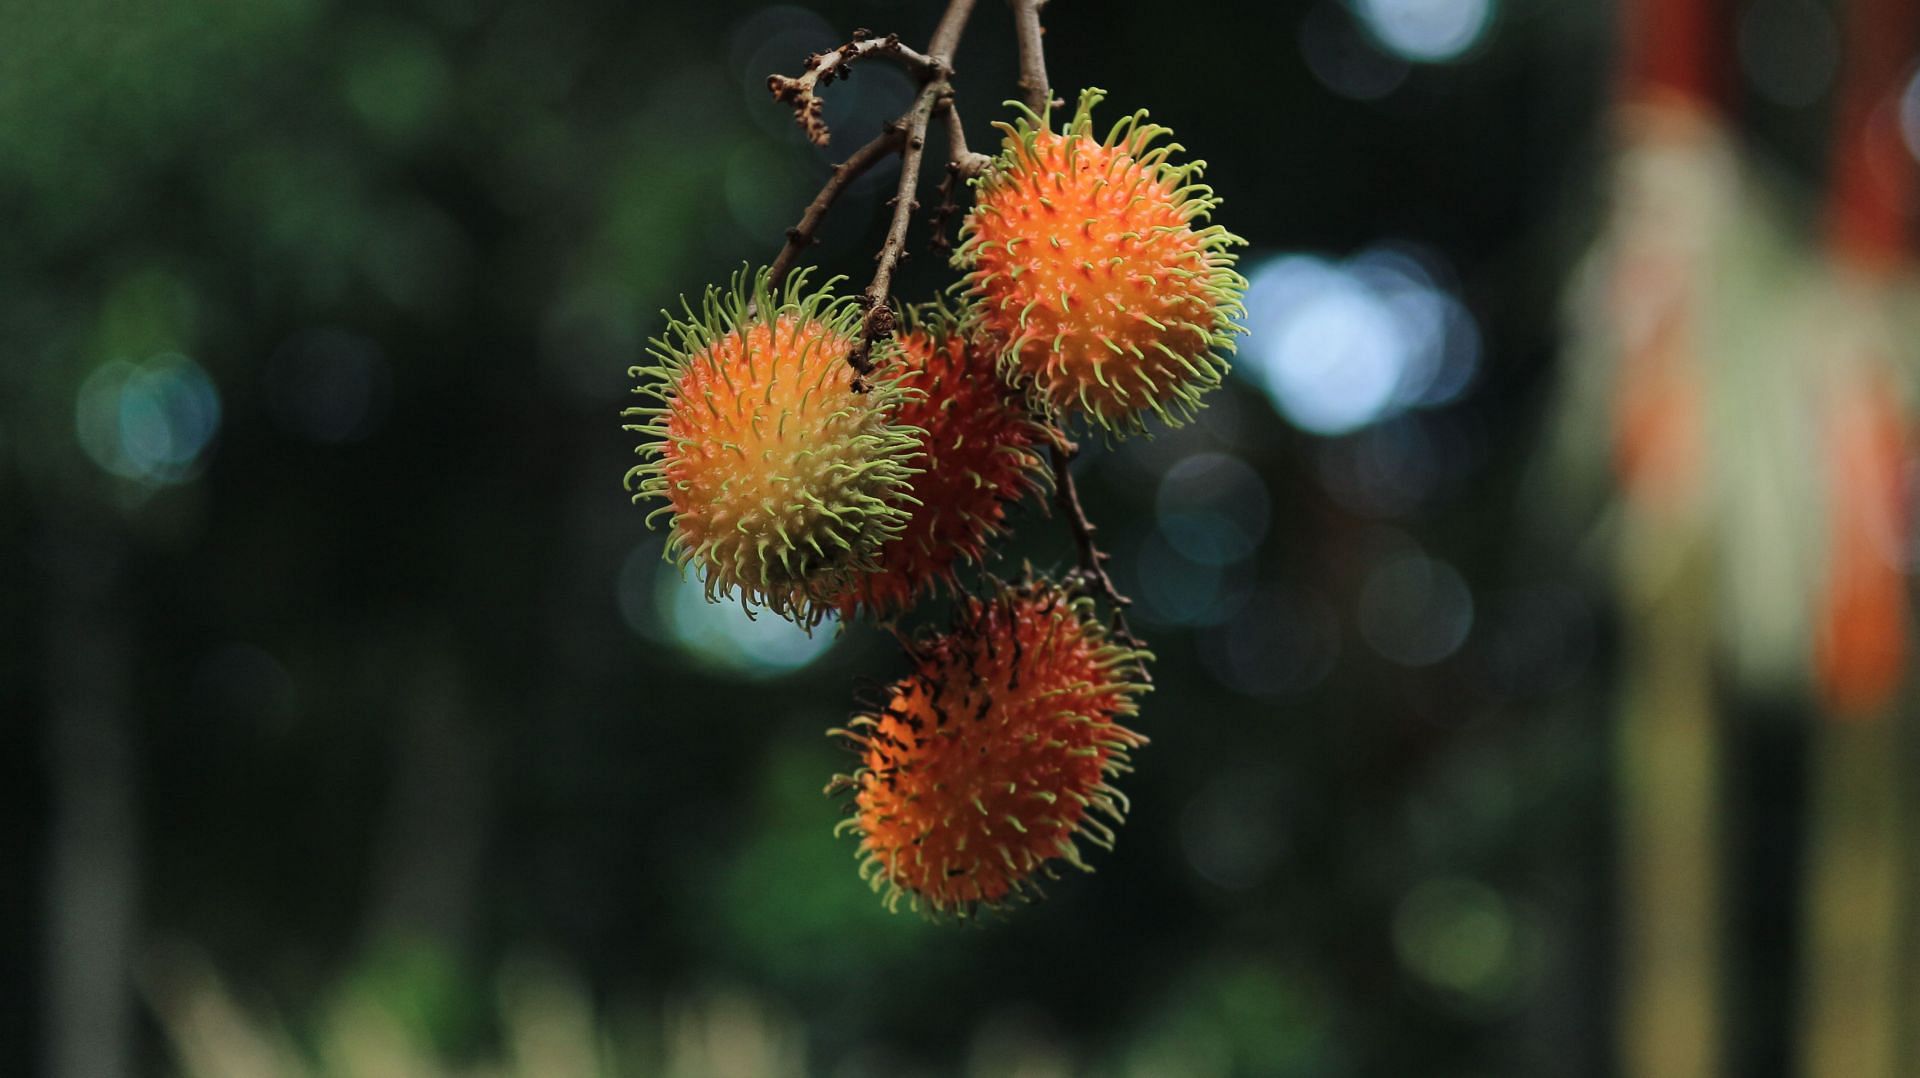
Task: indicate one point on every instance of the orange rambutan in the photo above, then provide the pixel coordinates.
(988, 762)
(976, 455)
(1091, 267)
(783, 474)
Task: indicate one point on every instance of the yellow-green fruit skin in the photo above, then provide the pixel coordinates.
(782, 473)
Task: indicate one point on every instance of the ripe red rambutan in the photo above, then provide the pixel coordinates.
(1091, 268)
(990, 759)
(978, 453)
(782, 476)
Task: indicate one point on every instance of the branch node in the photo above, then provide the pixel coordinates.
(821, 68)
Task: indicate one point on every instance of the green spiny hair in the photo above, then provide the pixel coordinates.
(781, 472)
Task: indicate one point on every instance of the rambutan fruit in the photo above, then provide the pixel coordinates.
(976, 455)
(989, 761)
(1091, 266)
(782, 472)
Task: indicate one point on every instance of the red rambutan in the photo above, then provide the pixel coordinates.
(978, 453)
(988, 762)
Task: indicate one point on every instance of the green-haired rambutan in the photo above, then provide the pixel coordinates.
(987, 763)
(978, 453)
(1091, 266)
(783, 474)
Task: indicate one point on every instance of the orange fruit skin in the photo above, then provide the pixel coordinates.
(1093, 273)
(977, 454)
(989, 761)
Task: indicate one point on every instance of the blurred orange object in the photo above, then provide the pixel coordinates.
(1864, 627)
(1657, 437)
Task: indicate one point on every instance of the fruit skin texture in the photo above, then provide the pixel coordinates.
(978, 454)
(782, 479)
(989, 760)
(1090, 265)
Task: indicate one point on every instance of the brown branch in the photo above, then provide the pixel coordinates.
(823, 67)
(1092, 571)
(802, 235)
(1033, 55)
(968, 163)
(946, 35)
(962, 165)
(880, 321)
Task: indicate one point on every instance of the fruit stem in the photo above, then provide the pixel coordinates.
(1033, 55)
(1092, 572)
(962, 165)
(880, 321)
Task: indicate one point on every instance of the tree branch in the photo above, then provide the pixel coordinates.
(962, 164)
(1033, 55)
(946, 36)
(823, 67)
(880, 322)
(968, 163)
(1092, 572)
(802, 235)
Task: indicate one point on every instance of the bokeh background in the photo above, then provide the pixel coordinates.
(1530, 605)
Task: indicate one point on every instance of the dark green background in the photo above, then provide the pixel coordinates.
(373, 704)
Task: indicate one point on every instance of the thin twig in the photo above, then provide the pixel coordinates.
(802, 235)
(1092, 572)
(969, 164)
(962, 165)
(1033, 55)
(880, 321)
(823, 67)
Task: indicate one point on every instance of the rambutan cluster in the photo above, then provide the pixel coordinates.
(811, 461)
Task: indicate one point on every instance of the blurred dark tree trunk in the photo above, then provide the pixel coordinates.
(427, 858)
(92, 883)
(1767, 828)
